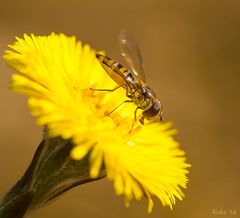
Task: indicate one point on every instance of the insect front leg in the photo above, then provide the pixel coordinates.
(135, 119)
(135, 114)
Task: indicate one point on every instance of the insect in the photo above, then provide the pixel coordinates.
(132, 79)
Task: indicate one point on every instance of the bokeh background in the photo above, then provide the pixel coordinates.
(191, 52)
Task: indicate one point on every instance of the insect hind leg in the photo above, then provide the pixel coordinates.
(112, 90)
(107, 90)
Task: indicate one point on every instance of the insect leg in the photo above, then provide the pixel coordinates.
(135, 119)
(127, 93)
(135, 114)
(127, 101)
(107, 90)
(112, 90)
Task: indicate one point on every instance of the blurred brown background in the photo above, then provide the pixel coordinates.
(191, 52)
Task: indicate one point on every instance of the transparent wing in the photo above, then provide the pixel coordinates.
(131, 54)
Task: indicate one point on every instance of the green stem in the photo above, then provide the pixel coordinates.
(51, 173)
(17, 207)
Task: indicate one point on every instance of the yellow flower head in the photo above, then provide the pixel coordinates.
(59, 75)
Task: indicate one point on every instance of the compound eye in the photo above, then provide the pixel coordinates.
(153, 111)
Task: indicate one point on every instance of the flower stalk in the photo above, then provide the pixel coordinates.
(51, 173)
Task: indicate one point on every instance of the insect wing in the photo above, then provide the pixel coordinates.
(131, 54)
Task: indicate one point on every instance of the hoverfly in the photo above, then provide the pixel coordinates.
(132, 79)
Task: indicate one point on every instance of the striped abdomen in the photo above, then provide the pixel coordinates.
(115, 70)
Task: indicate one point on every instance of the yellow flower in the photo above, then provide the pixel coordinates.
(58, 73)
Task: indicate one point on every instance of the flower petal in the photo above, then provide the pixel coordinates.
(60, 76)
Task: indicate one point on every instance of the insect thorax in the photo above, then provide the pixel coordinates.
(142, 96)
